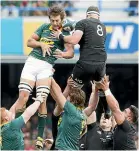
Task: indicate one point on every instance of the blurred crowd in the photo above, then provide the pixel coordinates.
(39, 8)
(133, 6)
(30, 132)
(31, 8)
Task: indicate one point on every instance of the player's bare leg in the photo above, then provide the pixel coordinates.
(25, 88)
(42, 85)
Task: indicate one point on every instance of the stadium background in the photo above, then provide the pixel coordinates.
(21, 18)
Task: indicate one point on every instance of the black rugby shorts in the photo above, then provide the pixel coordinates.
(84, 72)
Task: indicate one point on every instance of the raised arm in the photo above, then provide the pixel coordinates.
(57, 94)
(112, 102)
(13, 108)
(58, 110)
(31, 110)
(93, 101)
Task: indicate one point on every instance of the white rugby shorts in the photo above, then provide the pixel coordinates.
(35, 69)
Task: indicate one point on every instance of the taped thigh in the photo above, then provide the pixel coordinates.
(23, 86)
(43, 91)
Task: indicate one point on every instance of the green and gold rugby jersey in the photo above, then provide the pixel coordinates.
(70, 127)
(44, 32)
(12, 136)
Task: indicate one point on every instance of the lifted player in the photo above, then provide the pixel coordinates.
(90, 33)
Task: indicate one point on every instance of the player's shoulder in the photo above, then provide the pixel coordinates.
(102, 23)
(82, 21)
(45, 25)
(5, 126)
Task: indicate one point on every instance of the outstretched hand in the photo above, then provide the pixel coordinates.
(46, 49)
(58, 53)
(70, 82)
(93, 86)
(40, 98)
(104, 84)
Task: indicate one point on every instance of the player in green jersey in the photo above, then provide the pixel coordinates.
(11, 135)
(38, 67)
(74, 117)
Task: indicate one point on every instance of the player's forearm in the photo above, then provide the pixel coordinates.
(31, 110)
(68, 54)
(70, 39)
(57, 94)
(66, 91)
(112, 102)
(93, 102)
(94, 98)
(57, 110)
(33, 43)
(13, 108)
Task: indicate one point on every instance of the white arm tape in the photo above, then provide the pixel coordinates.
(107, 92)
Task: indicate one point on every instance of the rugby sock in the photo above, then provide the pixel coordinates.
(41, 124)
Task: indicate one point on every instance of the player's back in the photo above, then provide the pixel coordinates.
(12, 136)
(92, 43)
(70, 128)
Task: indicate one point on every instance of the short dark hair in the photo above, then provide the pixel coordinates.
(92, 9)
(57, 10)
(135, 112)
(77, 97)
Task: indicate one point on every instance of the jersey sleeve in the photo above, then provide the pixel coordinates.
(80, 26)
(17, 123)
(40, 30)
(70, 108)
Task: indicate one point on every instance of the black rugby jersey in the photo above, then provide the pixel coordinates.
(92, 43)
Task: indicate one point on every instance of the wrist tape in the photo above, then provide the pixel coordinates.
(107, 92)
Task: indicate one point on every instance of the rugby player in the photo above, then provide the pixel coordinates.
(11, 134)
(38, 67)
(73, 120)
(125, 131)
(90, 34)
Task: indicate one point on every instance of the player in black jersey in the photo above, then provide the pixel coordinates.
(90, 34)
(124, 131)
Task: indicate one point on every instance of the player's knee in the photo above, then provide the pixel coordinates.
(43, 91)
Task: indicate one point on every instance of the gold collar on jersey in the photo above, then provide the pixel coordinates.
(3, 124)
(50, 28)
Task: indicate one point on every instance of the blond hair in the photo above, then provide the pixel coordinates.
(2, 115)
(77, 97)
